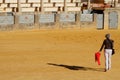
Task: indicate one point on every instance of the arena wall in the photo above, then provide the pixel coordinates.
(48, 14)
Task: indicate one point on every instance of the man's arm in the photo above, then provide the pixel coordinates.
(102, 46)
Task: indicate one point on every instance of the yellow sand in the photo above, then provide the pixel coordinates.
(56, 55)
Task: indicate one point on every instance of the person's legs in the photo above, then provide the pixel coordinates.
(108, 53)
(106, 59)
(109, 60)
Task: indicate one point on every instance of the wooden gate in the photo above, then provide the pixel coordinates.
(113, 20)
(100, 21)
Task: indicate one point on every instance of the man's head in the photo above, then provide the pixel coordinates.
(107, 35)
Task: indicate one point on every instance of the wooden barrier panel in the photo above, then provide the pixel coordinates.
(118, 5)
(35, 5)
(57, 1)
(23, 1)
(8, 10)
(1, 9)
(1, 1)
(48, 5)
(33, 1)
(10, 1)
(4, 5)
(51, 9)
(59, 4)
(74, 9)
(45, 0)
(13, 5)
(77, 0)
(73, 1)
(68, 0)
(71, 4)
(25, 5)
(28, 9)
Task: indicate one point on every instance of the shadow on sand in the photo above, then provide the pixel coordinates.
(77, 67)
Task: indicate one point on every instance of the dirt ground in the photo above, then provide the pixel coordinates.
(56, 55)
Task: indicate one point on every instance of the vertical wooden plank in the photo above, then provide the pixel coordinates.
(78, 19)
(65, 6)
(19, 6)
(42, 4)
(114, 3)
(16, 20)
(26, 1)
(36, 19)
(88, 4)
(49, 1)
(106, 18)
(17, 14)
(3, 1)
(57, 22)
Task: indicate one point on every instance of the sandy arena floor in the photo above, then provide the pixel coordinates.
(56, 55)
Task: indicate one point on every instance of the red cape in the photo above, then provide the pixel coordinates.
(97, 57)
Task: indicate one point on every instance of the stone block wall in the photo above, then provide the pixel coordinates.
(48, 14)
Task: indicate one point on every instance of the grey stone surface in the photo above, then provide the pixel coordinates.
(26, 19)
(100, 21)
(6, 20)
(113, 19)
(86, 17)
(46, 18)
(67, 17)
